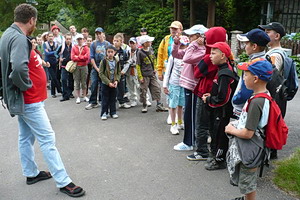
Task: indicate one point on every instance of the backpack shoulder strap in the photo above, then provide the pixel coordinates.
(263, 95)
(227, 72)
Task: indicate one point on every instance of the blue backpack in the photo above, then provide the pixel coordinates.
(289, 73)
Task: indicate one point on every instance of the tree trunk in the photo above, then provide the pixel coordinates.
(192, 13)
(180, 10)
(211, 13)
(175, 9)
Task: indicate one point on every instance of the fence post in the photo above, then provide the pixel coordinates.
(235, 42)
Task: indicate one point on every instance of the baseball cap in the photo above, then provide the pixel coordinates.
(176, 24)
(196, 29)
(276, 26)
(184, 40)
(143, 30)
(79, 36)
(99, 29)
(222, 46)
(259, 67)
(54, 27)
(256, 36)
(146, 38)
(132, 39)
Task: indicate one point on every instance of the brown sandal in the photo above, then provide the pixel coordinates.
(75, 191)
(43, 175)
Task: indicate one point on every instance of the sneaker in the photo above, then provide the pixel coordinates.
(78, 100)
(104, 116)
(169, 120)
(133, 104)
(196, 157)
(145, 109)
(91, 106)
(239, 198)
(180, 126)
(174, 130)
(160, 108)
(115, 116)
(86, 99)
(214, 165)
(149, 104)
(124, 105)
(183, 147)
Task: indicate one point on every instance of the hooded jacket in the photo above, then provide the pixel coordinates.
(205, 71)
(191, 56)
(83, 55)
(15, 52)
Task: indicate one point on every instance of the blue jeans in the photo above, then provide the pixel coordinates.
(95, 87)
(35, 124)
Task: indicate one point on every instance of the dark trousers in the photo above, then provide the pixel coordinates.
(67, 83)
(108, 100)
(95, 87)
(219, 140)
(55, 84)
(202, 127)
(189, 117)
(121, 90)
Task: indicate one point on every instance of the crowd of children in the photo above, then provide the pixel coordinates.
(200, 81)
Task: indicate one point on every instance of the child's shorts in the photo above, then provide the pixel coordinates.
(176, 96)
(247, 179)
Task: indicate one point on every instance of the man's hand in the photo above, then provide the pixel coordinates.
(166, 91)
(160, 77)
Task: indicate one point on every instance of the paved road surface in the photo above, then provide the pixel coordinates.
(131, 158)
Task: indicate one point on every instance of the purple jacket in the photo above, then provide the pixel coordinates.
(191, 56)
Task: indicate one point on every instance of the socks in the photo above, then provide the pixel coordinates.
(179, 121)
(173, 123)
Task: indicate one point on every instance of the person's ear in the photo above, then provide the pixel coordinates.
(255, 46)
(277, 36)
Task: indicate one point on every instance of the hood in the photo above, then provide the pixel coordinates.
(213, 35)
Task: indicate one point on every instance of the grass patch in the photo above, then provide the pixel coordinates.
(287, 174)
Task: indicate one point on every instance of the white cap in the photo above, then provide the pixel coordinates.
(146, 38)
(196, 29)
(79, 36)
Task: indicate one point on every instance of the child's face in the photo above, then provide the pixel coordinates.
(216, 56)
(132, 45)
(147, 44)
(117, 42)
(110, 53)
(50, 37)
(249, 79)
(68, 40)
(274, 36)
(89, 41)
(80, 41)
(55, 31)
(99, 36)
(250, 48)
(39, 41)
(34, 44)
(193, 37)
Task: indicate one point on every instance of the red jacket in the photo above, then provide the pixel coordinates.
(82, 58)
(205, 70)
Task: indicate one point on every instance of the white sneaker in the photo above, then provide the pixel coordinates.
(104, 116)
(145, 109)
(115, 116)
(180, 126)
(133, 104)
(86, 99)
(183, 147)
(124, 105)
(174, 130)
(78, 100)
(149, 104)
(208, 139)
(91, 106)
(169, 120)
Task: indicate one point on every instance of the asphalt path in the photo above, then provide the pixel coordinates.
(130, 158)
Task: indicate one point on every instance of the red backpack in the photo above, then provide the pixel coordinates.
(276, 131)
